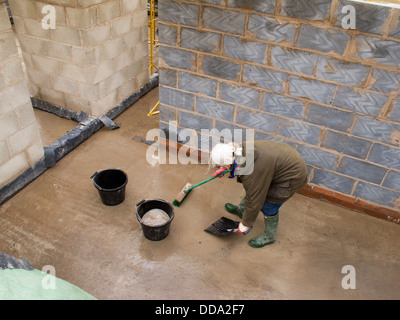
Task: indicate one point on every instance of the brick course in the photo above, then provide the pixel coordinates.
(95, 44)
(20, 142)
(290, 71)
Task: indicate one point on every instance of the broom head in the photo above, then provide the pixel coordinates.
(182, 195)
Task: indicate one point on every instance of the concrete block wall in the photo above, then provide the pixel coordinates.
(292, 72)
(94, 58)
(20, 142)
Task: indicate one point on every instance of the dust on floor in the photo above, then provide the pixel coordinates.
(59, 220)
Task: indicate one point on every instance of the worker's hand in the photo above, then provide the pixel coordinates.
(242, 229)
(219, 171)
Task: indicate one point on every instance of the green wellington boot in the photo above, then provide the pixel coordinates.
(238, 210)
(268, 237)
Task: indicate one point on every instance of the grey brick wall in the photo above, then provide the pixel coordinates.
(311, 37)
(267, 28)
(306, 9)
(294, 60)
(290, 71)
(224, 20)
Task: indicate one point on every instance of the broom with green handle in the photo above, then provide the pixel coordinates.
(188, 187)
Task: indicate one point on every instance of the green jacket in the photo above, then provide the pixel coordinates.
(279, 172)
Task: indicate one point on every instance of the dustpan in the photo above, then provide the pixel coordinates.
(222, 227)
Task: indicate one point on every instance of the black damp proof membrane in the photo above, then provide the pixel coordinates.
(10, 262)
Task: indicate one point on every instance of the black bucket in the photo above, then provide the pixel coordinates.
(111, 185)
(158, 232)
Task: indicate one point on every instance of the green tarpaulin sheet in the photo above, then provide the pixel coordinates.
(21, 284)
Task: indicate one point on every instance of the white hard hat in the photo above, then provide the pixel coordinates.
(222, 154)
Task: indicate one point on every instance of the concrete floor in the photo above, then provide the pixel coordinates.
(59, 220)
(52, 127)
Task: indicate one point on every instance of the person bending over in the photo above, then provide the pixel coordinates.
(273, 174)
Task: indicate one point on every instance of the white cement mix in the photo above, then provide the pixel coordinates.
(155, 217)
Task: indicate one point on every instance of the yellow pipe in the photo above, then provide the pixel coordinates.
(151, 112)
(152, 35)
(153, 42)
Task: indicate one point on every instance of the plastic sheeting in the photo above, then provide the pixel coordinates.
(20, 281)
